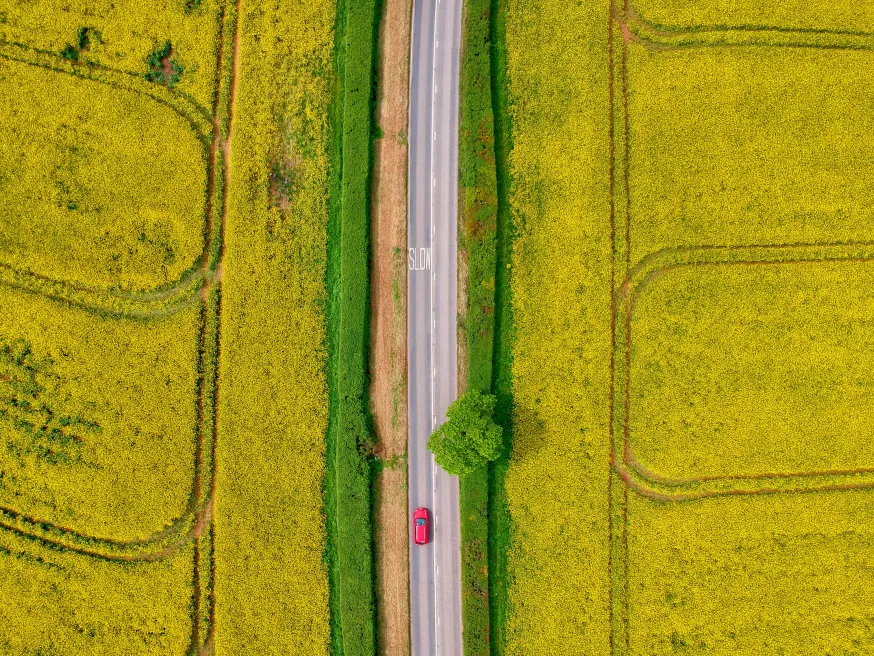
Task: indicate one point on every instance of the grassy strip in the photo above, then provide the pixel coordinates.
(349, 504)
(479, 207)
(332, 318)
(498, 513)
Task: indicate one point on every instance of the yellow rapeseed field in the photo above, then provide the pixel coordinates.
(121, 34)
(789, 574)
(271, 580)
(820, 15)
(557, 483)
(54, 603)
(741, 128)
(117, 536)
(696, 380)
(693, 228)
(109, 218)
(99, 185)
(128, 392)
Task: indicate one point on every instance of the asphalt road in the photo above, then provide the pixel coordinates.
(435, 569)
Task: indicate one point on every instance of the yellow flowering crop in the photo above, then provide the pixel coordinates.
(691, 465)
(770, 376)
(785, 574)
(123, 33)
(134, 387)
(110, 222)
(99, 185)
(271, 580)
(114, 513)
(766, 155)
(820, 15)
(54, 603)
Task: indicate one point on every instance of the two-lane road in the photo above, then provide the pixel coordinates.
(435, 569)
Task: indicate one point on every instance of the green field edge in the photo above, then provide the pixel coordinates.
(349, 473)
(478, 236)
(500, 530)
(332, 320)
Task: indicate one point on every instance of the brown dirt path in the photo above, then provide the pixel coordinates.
(388, 361)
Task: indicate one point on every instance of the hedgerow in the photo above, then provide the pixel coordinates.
(352, 436)
(478, 186)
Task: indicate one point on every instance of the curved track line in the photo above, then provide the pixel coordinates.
(665, 487)
(202, 269)
(646, 488)
(662, 38)
(180, 529)
(197, 516)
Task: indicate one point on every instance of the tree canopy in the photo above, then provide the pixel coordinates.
(470, 437)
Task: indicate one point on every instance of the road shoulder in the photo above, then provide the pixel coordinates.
(388, 359)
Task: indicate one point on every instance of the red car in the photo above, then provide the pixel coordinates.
(420, 526)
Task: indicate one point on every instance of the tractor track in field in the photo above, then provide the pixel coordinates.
(669, 38)
(633, 475)
(192, 524)
(181, 292)
(197, 285)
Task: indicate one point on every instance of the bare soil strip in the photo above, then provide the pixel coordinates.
(388, 361)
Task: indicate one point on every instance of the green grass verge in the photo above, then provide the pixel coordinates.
(483, 518)
(348, 487)
(502, 378)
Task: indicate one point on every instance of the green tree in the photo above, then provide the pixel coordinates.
(470, 437)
